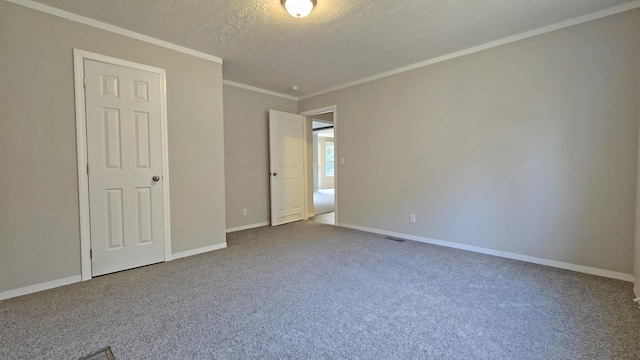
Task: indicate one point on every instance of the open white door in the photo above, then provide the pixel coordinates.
(286, 150)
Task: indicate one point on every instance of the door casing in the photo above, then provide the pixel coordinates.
(81, 149)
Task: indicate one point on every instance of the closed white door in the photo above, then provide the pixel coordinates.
(286, 146)
(124, 152)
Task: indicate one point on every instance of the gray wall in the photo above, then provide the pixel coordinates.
(246, 133)
(528, 148)
(39, 215)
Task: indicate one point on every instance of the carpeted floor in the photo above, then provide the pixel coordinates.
(323, 201)
(309, 290)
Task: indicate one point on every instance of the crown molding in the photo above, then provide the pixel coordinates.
(131, 34)
(256, 89)
(113, 29)
(525, 35)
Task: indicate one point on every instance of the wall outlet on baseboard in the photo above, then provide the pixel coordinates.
(244, 211)
(412, 218)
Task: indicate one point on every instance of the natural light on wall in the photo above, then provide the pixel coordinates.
(299, 8)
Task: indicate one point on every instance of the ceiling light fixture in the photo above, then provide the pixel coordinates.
(298, 8)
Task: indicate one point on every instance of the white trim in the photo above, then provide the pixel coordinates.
(81, 152)
(134, 35)
(199, 251)
(165, 166)
(113, 29)
(305, 168)
(39, 287)
(250, 226)
(525, 35)
(503, 254)
(81, 149)
(324, 110)
(257, 89)
(636, 240)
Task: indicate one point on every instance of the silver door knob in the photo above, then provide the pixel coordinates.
(155, 178)
(275, 174)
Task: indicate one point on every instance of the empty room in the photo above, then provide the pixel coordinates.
(162, 165)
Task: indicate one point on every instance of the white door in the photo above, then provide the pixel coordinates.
(124, 153)
(286, 146)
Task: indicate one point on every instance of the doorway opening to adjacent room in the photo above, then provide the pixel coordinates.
(323, 171)
(322, 165)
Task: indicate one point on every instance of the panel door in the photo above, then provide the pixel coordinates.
(286, 141)
(124, 152)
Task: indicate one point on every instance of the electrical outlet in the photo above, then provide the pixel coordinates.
(244, 211)
(412, 218)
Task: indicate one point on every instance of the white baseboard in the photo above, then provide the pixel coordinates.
(503, 254)
(39, 287)
(74, 279)
(198, 251)
(250, 226)
(558, 264)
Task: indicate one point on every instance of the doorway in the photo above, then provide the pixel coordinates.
(323, 171)
(322, 165)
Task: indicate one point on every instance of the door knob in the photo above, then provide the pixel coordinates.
(275, 174)
(155, 178)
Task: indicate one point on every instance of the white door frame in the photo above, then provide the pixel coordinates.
(81, 148)
(324, 110)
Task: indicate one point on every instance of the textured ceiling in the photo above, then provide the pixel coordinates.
(342, 41)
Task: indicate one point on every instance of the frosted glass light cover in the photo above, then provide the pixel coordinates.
(298, 8)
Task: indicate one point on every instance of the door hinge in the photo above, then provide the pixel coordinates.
(90, 253)
(87, 169)
(84, 81)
